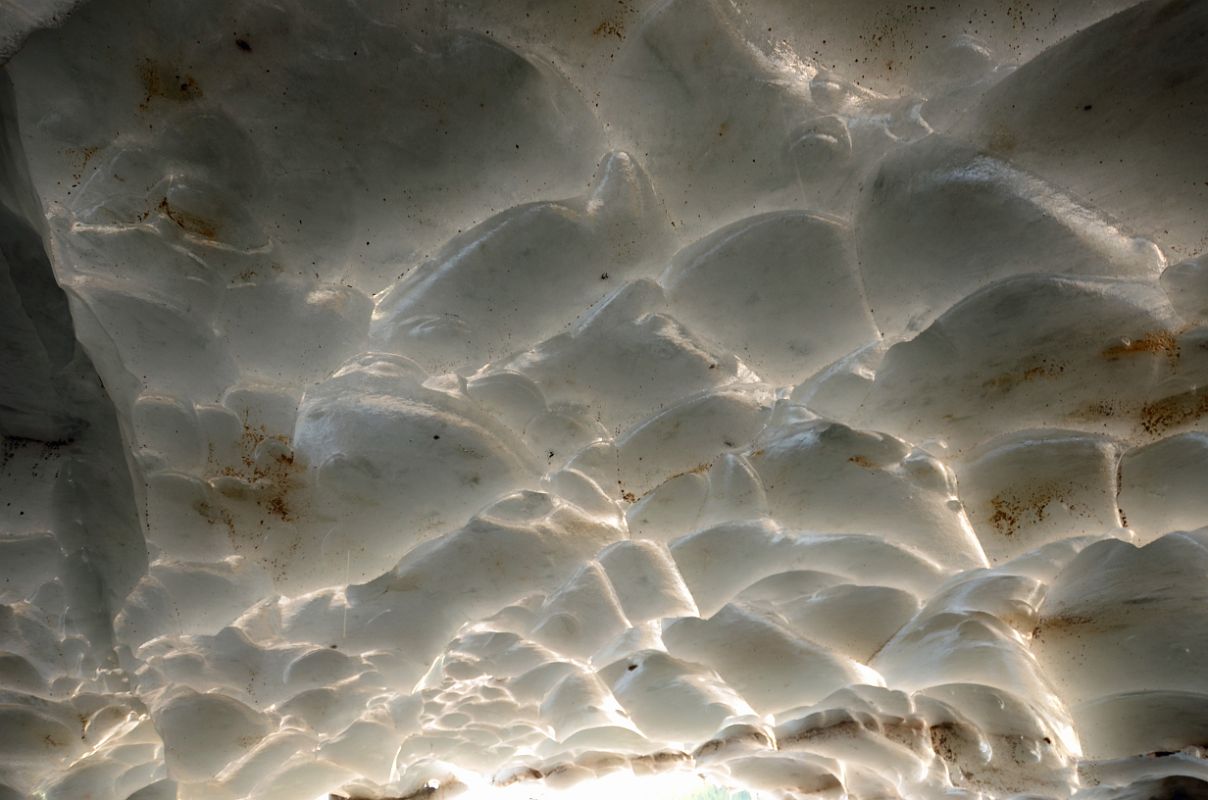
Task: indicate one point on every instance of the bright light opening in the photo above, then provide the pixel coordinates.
(617, 786)
(668, 786)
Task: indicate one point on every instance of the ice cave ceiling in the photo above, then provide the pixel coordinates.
(688, 399)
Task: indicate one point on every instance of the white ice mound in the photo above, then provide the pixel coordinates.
(674, 398)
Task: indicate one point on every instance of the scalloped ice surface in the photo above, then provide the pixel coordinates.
(591, 398)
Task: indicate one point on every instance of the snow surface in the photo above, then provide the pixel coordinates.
(590, 398)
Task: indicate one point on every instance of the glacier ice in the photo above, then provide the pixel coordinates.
(663, 398)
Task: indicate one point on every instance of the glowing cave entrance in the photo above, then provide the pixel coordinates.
(675, 786)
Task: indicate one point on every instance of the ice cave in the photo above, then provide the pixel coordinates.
(596, 399)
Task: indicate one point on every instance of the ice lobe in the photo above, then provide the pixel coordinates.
(523, 272)
(367, 436)
(1102, 613)
(1118, 128)
(402, 401)
(781, 265)
(1037, 349)
(942, 219)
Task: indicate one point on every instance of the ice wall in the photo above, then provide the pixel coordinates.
(411, 399)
